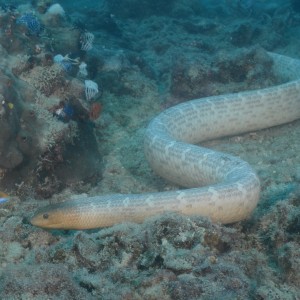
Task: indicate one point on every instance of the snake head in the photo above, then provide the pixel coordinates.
(51, 216)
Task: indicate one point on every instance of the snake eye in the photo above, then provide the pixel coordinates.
(45, 216)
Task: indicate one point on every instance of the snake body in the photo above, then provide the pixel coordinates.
(220, 186)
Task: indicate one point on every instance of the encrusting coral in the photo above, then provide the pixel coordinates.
(31, 89)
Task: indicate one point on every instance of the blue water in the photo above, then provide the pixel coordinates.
(60, 137)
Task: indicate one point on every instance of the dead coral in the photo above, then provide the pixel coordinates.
(46, 79)
(279, 231)
(171, 256)
(38, 282)
(238, 70)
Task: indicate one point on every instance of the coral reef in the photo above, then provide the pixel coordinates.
(36, 132)
(194, 78)
(45, 79)
(167, 257)
(53, 280)
(145, 56)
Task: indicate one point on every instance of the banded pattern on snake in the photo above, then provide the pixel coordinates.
(220, 186)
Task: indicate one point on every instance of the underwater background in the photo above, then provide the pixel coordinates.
(79, 83)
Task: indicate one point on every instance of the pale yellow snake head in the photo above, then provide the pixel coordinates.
(55, 216)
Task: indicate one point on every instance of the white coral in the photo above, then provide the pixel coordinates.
(82, 72)
(56, 9)
(86, 41)
(91, 89)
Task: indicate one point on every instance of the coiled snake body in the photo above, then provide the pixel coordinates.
(220, 186)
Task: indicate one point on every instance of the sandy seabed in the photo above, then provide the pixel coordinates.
(169, 256)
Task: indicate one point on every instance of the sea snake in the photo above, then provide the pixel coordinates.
(219, 186)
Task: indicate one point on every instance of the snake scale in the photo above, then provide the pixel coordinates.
(220, 186)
